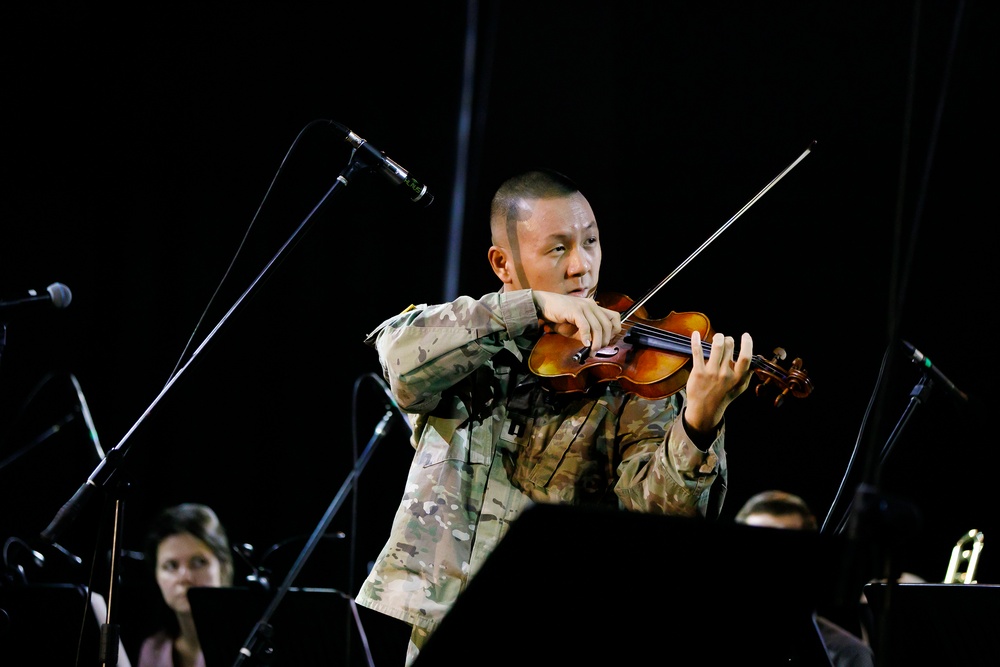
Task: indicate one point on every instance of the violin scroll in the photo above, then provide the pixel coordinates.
(794, 381)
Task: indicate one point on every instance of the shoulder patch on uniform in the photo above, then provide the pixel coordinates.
(370, 338)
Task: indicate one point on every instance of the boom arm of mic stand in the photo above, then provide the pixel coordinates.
(917, 397)
(109, 464)
(254, 644)
(39, 439)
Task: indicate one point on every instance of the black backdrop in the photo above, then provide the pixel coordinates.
(144, 149)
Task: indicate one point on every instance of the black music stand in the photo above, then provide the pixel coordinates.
(307, 627)
(588, 586)
(937, 624)
(40, 624)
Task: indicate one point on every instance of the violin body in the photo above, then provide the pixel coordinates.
(647, 371)
(649, 357)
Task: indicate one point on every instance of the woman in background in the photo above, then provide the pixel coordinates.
(187, 546)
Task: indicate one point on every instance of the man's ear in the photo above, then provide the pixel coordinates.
(500, 264)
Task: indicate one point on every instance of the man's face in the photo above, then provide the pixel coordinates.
(554, 246)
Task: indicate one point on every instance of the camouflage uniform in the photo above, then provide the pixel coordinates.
(490, 439)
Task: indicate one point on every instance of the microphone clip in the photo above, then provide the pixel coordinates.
(368, 156)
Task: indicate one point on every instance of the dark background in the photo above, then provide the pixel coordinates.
(145, 150)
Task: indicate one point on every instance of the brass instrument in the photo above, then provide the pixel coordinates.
(964, 559)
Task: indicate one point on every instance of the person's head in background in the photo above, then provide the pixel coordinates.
(188, 546)
(784, 510)
(777, 509)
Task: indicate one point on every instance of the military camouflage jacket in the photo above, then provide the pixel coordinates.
(490, 439)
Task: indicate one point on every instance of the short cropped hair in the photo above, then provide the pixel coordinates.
(537, 183)
(778, 503)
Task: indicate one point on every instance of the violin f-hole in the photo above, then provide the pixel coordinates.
(603, 353)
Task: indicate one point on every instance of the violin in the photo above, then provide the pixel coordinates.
(650, 357)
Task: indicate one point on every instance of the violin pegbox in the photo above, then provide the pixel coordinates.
(794, 381)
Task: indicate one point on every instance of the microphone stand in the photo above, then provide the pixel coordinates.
(918, 396)
(876, 514)
(109, 465)
(38, 440)
(258, 644)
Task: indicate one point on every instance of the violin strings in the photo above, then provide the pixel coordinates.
(683, 342)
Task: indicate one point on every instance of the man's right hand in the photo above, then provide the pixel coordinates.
(577, 317)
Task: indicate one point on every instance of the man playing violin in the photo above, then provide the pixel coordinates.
(491, 437)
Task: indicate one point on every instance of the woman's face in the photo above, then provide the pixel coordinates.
(183, 561)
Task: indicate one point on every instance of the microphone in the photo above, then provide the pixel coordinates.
(391, 402)
(918, 357)
(57, 294)
(87, 418)
(391, 169)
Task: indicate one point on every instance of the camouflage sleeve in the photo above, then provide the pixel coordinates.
(428, 349)
(661, 469)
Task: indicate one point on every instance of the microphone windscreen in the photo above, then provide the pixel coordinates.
(61, 296)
